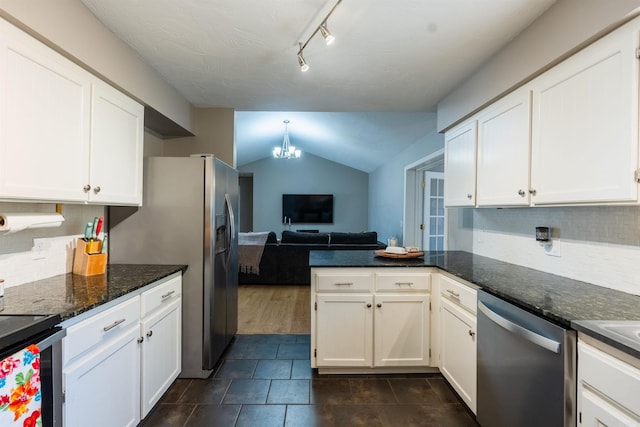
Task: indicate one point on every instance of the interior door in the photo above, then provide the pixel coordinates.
(433, 212)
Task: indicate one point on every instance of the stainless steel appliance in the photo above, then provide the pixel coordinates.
(19, 331)
(188, 217)
(526, 368)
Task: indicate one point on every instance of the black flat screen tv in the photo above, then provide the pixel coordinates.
(307, 208)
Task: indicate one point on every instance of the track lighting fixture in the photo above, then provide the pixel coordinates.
(328, 38)
(303, 64)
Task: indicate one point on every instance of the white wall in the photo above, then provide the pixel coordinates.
(308, 175)
(564, 26)
(386, 187)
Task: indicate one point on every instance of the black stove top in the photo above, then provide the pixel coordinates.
(18, 328)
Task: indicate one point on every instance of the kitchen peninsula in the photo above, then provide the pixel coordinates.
(553, 297)
(372, 314)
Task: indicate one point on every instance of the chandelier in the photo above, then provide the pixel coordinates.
(287, 151)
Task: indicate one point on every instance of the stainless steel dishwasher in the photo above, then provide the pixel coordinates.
(526, 368)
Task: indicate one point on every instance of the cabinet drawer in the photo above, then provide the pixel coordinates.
(344, 282)
(100, 328)
(402, 281)
(160, 295)
(613, 378)
(459, 293)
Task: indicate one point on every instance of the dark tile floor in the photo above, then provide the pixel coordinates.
(267, 380)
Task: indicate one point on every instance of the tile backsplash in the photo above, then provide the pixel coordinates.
(596, 244)
(48, 257)
(36, 254)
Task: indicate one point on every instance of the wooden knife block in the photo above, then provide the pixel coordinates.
(86, 264)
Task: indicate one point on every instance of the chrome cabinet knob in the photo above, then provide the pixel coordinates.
(86, 188)
(149, 333)
(532, 191)
(521, 193)
(368, 305)
(471, 333)
(469, 196)
(378, 305)
(96, 190)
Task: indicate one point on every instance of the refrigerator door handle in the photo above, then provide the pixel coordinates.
(232, 227)
(525, 333)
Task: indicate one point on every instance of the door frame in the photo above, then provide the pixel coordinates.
(413, 198)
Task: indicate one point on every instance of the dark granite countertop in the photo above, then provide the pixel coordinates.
(70, 295)
(558, 299)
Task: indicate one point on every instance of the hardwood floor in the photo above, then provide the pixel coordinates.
(273, 309)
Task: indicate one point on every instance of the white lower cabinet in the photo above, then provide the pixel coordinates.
(102, 385)
(608, 387)
(118, 361)
(402, 330)
(161, 352)
(370, 318)
(458, 338)
(344, 330)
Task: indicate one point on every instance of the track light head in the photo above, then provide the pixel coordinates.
(303, 64)
(328, 37)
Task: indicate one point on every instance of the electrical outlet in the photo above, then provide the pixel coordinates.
(38, 250)
(554, 249)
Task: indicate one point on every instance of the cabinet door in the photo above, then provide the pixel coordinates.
(460, 165)
(458, 351)
(116, 147)
(44, 121)
(103, 388)
(585, 125)
(504, 135)
(161, 353)
(344, 330)
(401, 330)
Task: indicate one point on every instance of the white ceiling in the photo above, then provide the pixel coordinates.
(389, 57)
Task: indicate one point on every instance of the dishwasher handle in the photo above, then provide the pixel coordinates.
(525, 333)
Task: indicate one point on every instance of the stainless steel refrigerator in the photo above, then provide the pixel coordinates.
(188, 217)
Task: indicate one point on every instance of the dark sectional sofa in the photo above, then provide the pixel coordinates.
(287, 262)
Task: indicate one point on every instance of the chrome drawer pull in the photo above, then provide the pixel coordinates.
(168, 294)
(404, 283)
(453, 294)
(344, 284)
(113, 325)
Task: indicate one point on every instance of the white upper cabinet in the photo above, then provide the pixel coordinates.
(65, 135)
(460, 165)
(585, 124)
(44, 121)
(116, 147)
(503, 151)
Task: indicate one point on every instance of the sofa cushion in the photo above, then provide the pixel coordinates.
(272, 238)
(308, 238)
(364, 238)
